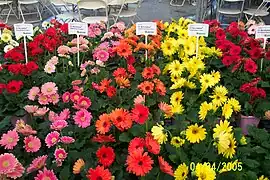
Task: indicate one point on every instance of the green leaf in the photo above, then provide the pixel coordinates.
(65, 173)
(251, 163)
(259, 150)
(137, 130)
(124, 137)
(173, 158)
(5, 122)
(250, 175)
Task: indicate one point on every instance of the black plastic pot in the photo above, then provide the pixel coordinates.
(265, 124)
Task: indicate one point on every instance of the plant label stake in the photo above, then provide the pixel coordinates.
(264, 33)
(198, 30)
(24, 30)
(146, 28)
(78, 28)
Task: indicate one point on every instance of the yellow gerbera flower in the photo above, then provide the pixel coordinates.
(219, 95)
(177, 142)
(6, 37)
(189, 47)
(190, 85)
(216, 76)
(206, 80)
(227, 111)
(169, 46)
(223, 126)
(263, 178)
(176, 68)
(228, 153)
(222, 142)
(205, 172)
(195, 133)
(181, 172)
(179, 83)
(243, 140)
(235, 104)
(176, 98)
(177, 109)
(204, 108)
(159, 134)
(174, 78)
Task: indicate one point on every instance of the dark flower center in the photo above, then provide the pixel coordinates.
(140, 163)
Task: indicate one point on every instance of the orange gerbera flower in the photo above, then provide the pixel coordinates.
(104, 84)
(160, 88)
(140, 46)
(78, 165)
(100, 138)
(122, 82)
(121, 119)
(151, 144)
(156, 69)
(131, 41)
(166, 108)
(164, 166)
(120, 72)
(103, 124)
(148, 73)
(123, 49)
(146, 87)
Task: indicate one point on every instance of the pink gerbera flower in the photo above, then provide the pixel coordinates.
(65, 114)
(82, 118)
(43, 99)
(52, 139)
(41, 111)
(49, 88)
(46, 174)
(66, 97)
(33, 93)
(8, 163)
(84, 102)
(67, 139)
(59, 125)
(10, 139)
(60, 154)
(52, 116)
(30, 109)
(102, 55)
(75, 96)
(18, 171)
(37, 163)
(54, 98)
(139, 100)
(23, 128)
(31, 143)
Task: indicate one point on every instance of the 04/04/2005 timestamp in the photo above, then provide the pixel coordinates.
(221, 166)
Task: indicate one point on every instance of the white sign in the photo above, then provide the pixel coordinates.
(23, 30)
(198, 29)
(263, 32)
(78, 28)
(146, 28)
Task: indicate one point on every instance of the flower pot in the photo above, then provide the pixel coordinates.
(248, 121)
(265, 124)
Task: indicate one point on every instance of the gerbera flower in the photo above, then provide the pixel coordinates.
(49, 88)
(10, 139)
(148, 73)
(151, 144)
(33, 92)
(204, 108)
(30, 109)
(176, 68)
(139, 163)
(23, 128)
(78, 165)
(111, 91)
(176, 98)
(104, 84)
(100, 138)
(122, 82)
(169, 47)
(140, 113)
(121, 119)
(59, 125)
(195, 133)
(250, 66)
(223, 126)
(139, 100)
(204, 171)
(75, 96)
(18, 171)
(146, 87)
(60, 154)
(46, 174)
(82, 118)
(120, 72)
(52, 139)
(84, 102)
(8, 163)
(166, 108)
(103, 124)
(235, 104)
(177, 141)
(67, 139)
(100, 173)
(31, 143)
(159, 134)
(43, 99)
(136, 144)
(262, 178)
(160, 88)
(37, 163)
(156, 69)
(206, 80)
(222, 142)
(123, 49)
(219, 95)
(227, 111)
(105, 156)
(181, 172)
(66, 97)
(165, 166)
(229, 152)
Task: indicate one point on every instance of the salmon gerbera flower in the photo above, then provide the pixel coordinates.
(123, 49)
(121, 119)
(103, 124)
(146, 87)
(148, 73)
(165, 166)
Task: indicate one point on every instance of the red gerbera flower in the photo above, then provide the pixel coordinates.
(100, 138)
(100, 173)
(250, 66)
(121, 119)
(111, 91)
(139, 163)
(255, 53)
(235, 50)
(220, 34)
(140, 113)
(104, 84)
(227, 60)
(120, 72)
(164, 166)
(151, 144)
(136, 144)
(14, 86)
(14, 68)
(267, 55)
(105, 156)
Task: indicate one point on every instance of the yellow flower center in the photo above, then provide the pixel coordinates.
(49, 90)
(5, 164)
(82, 118)
(10, 140)
(83, 103)
(30, 144)
(46, 178)
(60, 156)
(76, 97)
(54, 140)
(202, 176)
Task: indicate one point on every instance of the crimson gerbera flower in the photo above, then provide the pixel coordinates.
(105, 156)
(136, 144)
(255, 53)
(14, 86)
(139, 163)
(235, 50)
(165, 166)
(100, 173)
(140, 113)
(250, 66)
(100, 138)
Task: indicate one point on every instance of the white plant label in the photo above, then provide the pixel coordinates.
(23, 30)
(78, 28)
(198, 30)
(262, 32)
(146, 28)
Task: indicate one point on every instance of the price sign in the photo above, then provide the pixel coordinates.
(146, 28)
(198, 29)
(23, 30)
(78, 28)
(262, 32)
